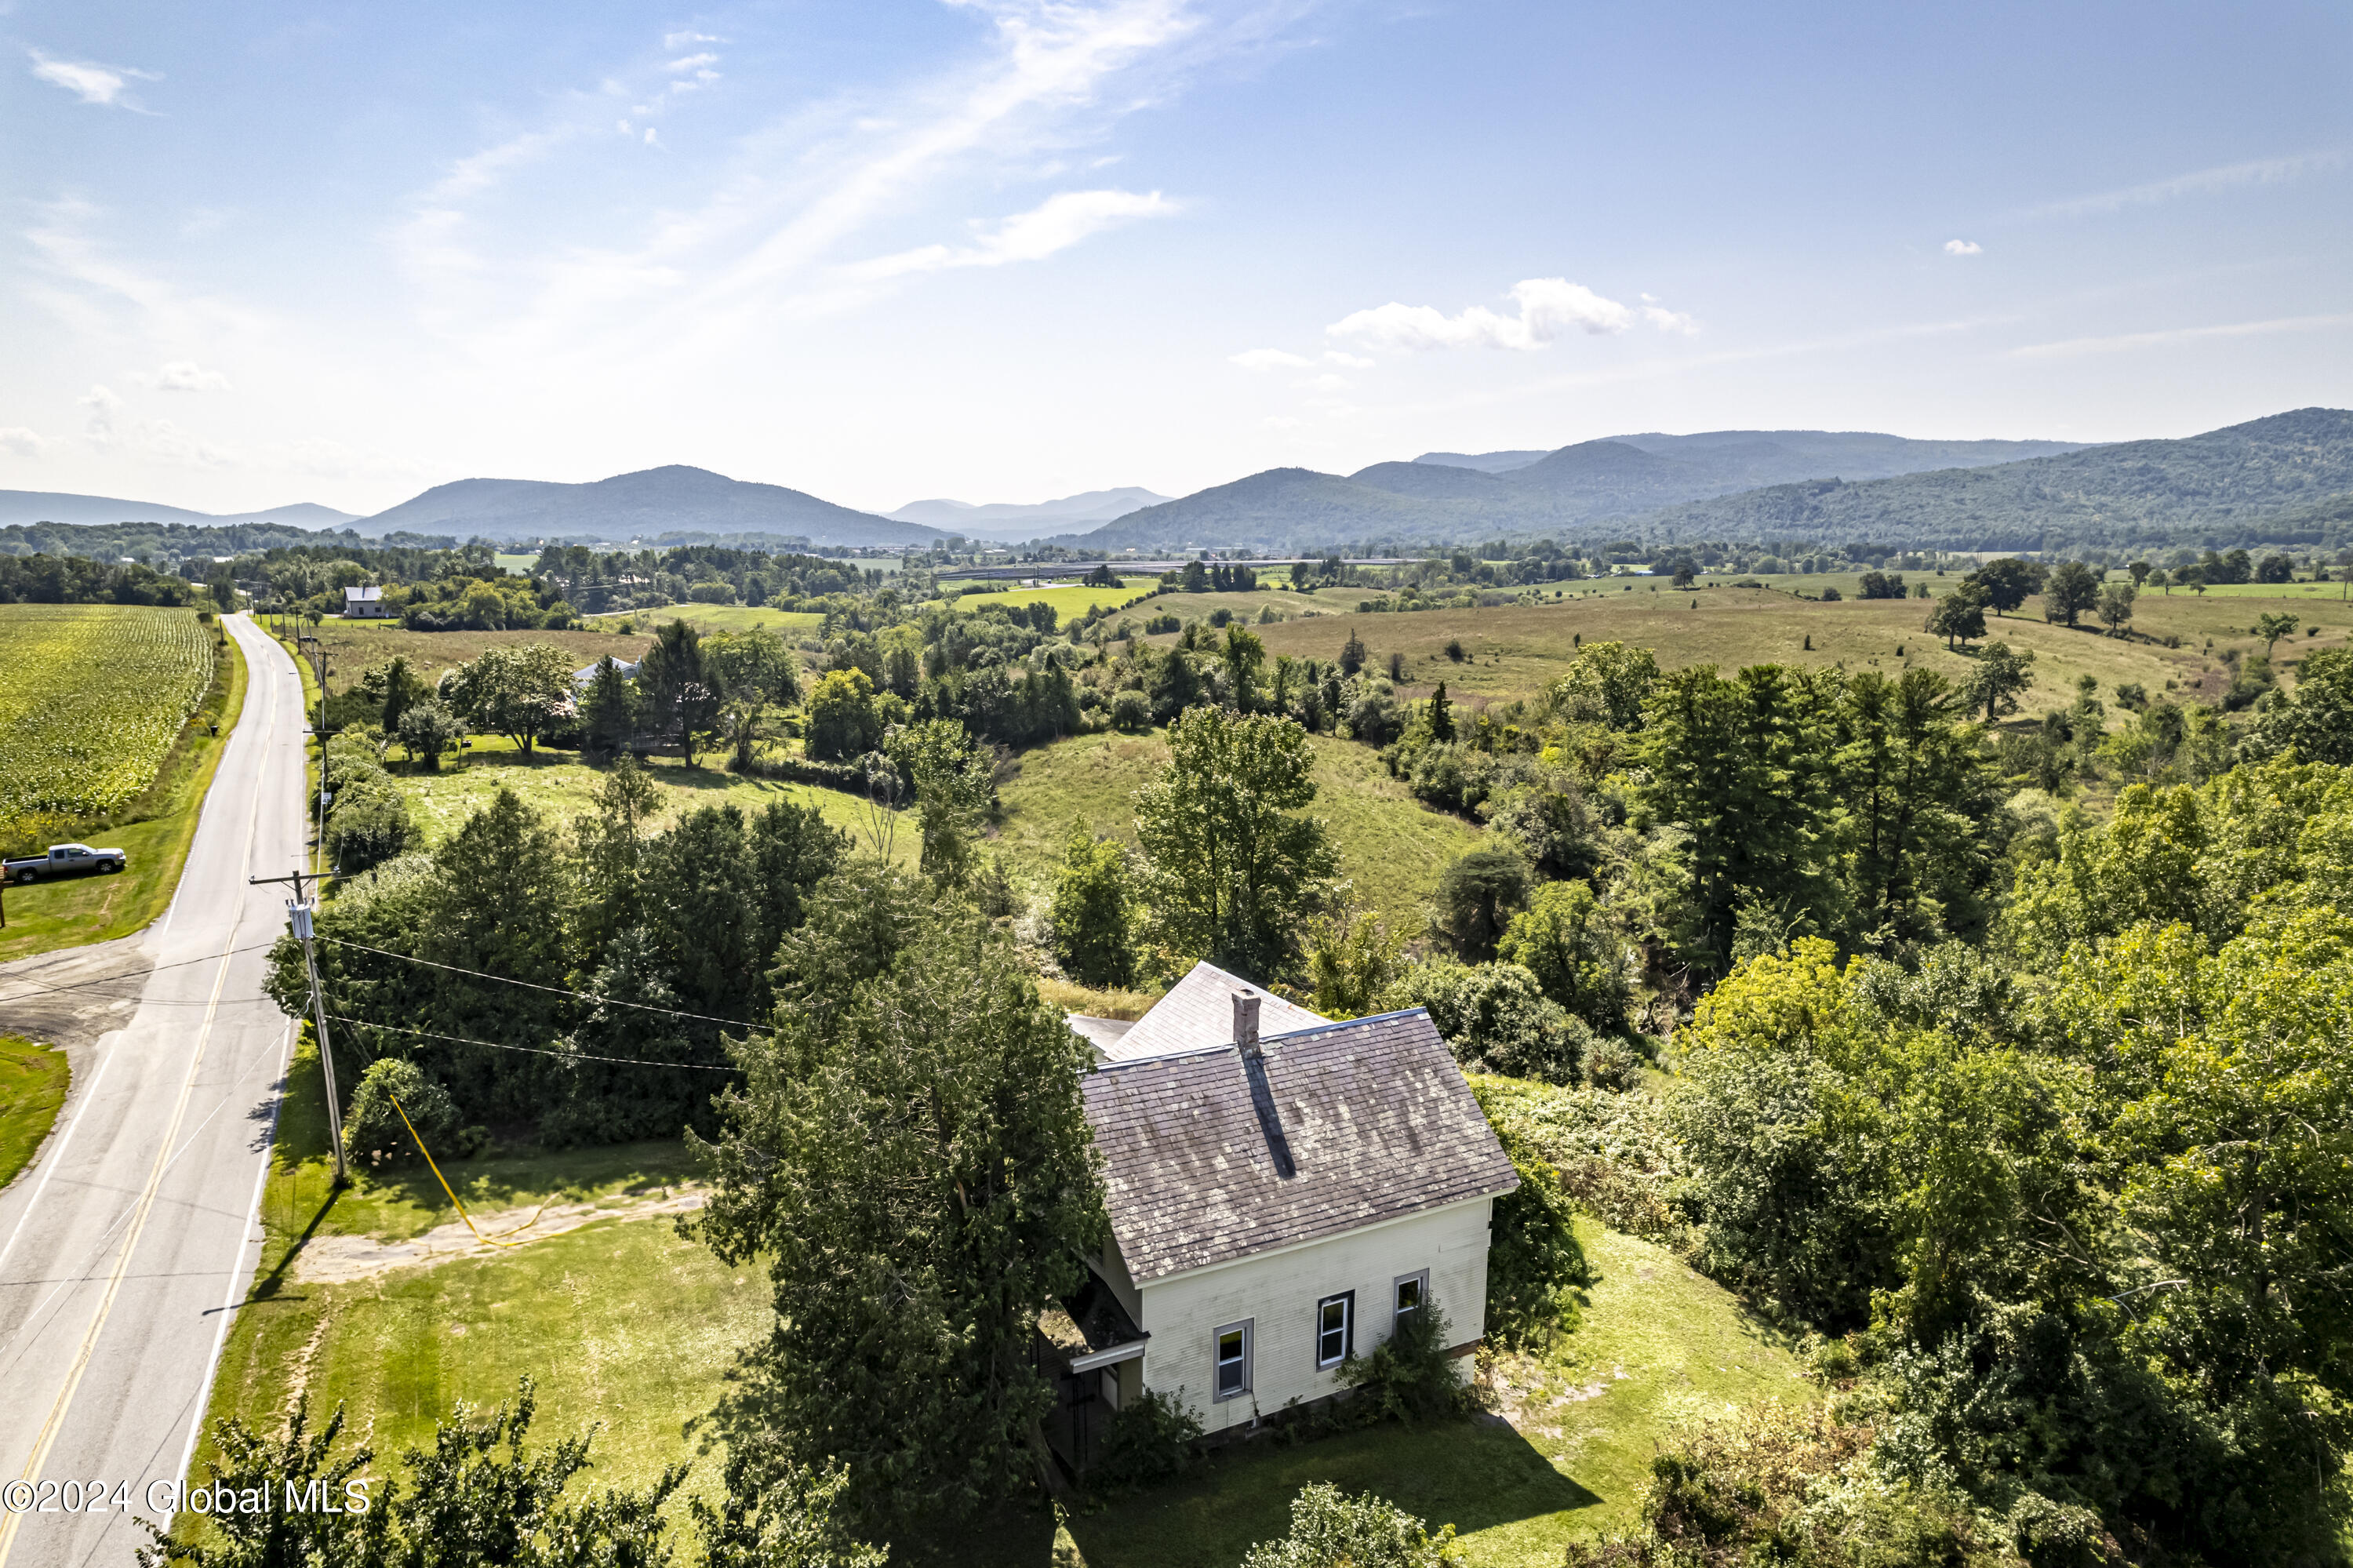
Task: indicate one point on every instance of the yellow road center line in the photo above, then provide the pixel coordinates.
(10, 1522)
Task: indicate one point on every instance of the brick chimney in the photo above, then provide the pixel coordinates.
(1246, 1022)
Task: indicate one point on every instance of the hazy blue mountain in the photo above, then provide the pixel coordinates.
(26, 507)
(646, 505)
(2279, 473)
(1009, 520)
(2286, 479)
(1485, 463)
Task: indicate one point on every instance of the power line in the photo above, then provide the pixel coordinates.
(140, 978)
(532, 1050)
(551, 990)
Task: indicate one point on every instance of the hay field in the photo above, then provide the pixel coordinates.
(92, 698)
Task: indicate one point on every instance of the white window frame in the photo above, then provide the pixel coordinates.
(1217, 1390)
(1421, 1277)
(1347, 1302)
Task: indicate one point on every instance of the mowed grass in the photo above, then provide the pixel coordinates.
(559, 785)
(1068, 603)
(1512, 650)
(352, 647)
(1658, 1345)
(33, 1080)
(621, 1322)
(792, 625)
(46, 915)
(1391, 845)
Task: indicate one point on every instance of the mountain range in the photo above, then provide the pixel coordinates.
(644, 506)
(30, 507)
(2287, 478)
(1007, 520)
(2290, 475)
(1455, 495)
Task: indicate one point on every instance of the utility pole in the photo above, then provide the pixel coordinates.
(300, 910)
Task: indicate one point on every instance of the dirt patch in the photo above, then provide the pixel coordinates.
(72, 996)
(337, 1260)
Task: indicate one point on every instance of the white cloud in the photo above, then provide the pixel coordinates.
(89, 81)
(2199, 182)
(1963, 248)
(1280, 422)
(1351, 361)
(2069, 347)
(1548, 307)
(1270, 359)
(692, 62)
(18, 441)
(104, 408)
(182, 375)
(681, 40)
(1328, 382)
(653, 138)
(1056, 223)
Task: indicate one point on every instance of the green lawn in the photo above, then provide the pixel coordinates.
(621, 1321)
(559, 784)
(792, 625)
(1391, 845)
(46, 915)
(1068, 603)
(32, 1089)
(1657, 1345)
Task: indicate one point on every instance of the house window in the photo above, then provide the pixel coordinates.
(1335, 1329)
(1233, 1360)
(1409, 1292)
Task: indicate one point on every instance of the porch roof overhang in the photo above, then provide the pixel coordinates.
(1090, 1329)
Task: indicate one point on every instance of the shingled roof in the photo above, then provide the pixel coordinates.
(1211, 1157)
(1198, 1010)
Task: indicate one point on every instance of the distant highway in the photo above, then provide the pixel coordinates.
(125, 1251)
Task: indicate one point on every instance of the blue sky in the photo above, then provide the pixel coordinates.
(1004, 250)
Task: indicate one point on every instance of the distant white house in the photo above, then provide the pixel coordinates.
(364, 604)
(587, 673)
(1282, 1190)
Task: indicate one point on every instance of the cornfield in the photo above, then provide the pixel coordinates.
(91, 697)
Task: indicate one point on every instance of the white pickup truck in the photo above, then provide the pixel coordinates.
(63, 860)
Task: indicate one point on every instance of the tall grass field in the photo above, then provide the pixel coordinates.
(92, 698)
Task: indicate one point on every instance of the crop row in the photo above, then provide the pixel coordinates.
(91, 697)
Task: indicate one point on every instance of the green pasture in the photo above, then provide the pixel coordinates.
(1068, 603)
(792, 625)
(1391, 846)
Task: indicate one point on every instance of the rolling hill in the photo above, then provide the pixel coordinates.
(646, 505)
(1764, 484)
(1009, 520)
(28, 508)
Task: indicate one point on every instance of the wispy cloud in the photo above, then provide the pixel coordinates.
(2199, 181)
(681, 40)
(1057, 223)
(2125, 342)
(1963, 248)
(1259, 359)
(101, 85)
(1546, 309)
(181, 376)
(18, 441)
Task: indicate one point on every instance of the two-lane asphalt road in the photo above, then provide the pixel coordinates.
(125, 1251)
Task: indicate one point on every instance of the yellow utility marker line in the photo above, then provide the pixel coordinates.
(486, 1240)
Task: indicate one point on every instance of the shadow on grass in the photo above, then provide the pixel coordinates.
(1474, 1475)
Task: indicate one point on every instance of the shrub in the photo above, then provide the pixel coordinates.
(1151, 1439)
(373, 1128)
(428, 729)
(1331, 1529)
(370, 824)
(1477, 896)
(1408, 1376)
(1565, 940)
(1496, 1020)
(1534, 1262)
(1130, 710)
